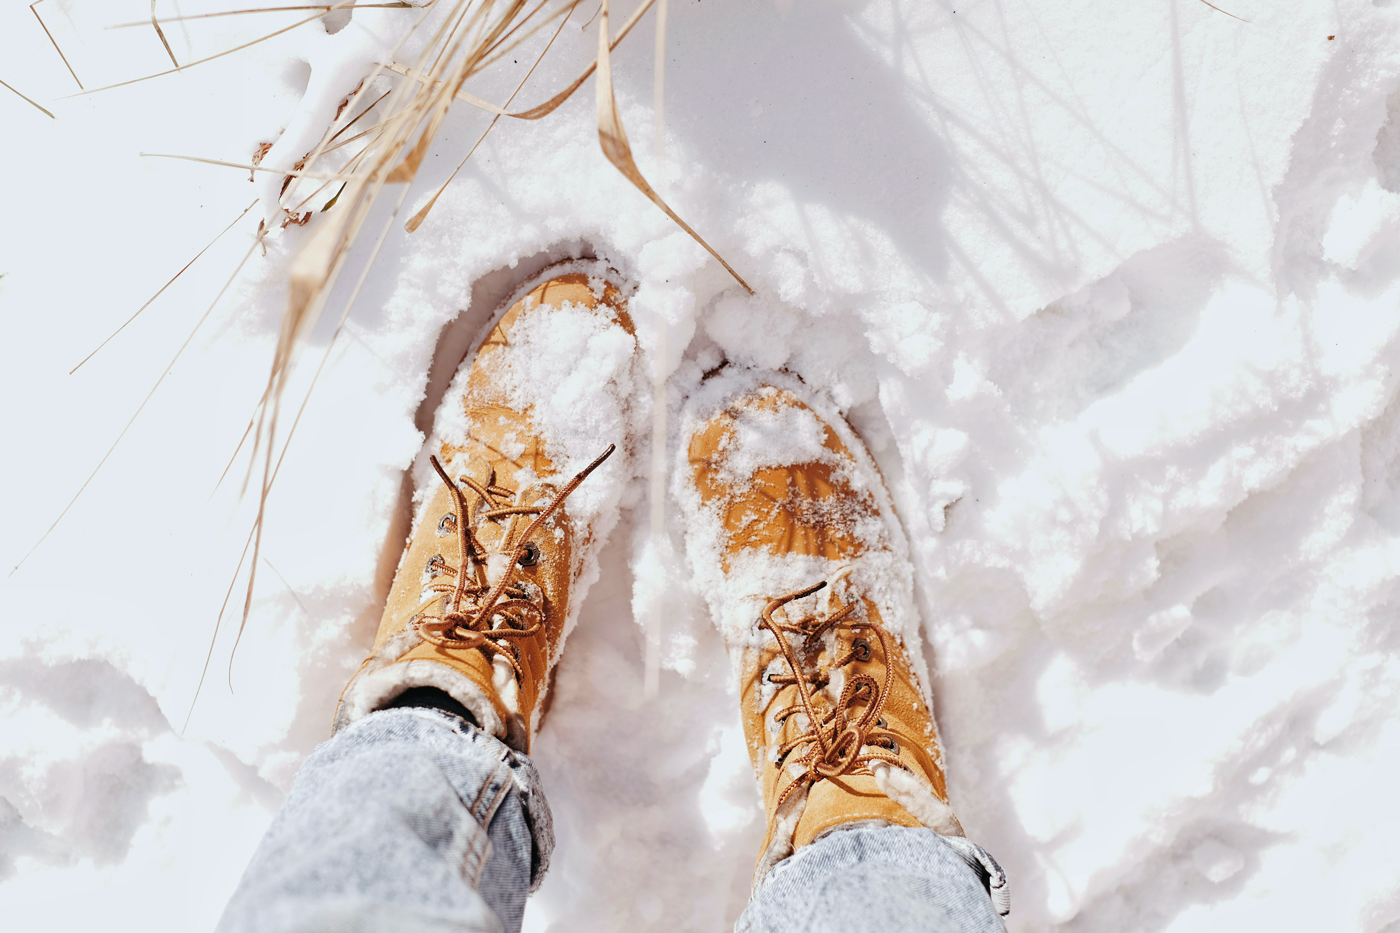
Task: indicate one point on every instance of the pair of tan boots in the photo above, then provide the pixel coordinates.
(790, 534)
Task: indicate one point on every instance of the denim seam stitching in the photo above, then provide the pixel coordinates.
(480, 849)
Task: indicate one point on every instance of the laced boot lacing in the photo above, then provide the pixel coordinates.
(837, 740)
(475, 614)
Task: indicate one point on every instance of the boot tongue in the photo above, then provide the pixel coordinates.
(496, 538)
(497, 565)
(501, 537)
(476, 468)
(851, 798)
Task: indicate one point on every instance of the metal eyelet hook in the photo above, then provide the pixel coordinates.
(446, 525)
(531, 556)
(861, 649)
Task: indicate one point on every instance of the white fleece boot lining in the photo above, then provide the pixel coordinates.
(383, 679)
(913, 795)
(784, 829)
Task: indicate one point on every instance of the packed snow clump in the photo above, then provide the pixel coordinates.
(772, 421)
(574, 371)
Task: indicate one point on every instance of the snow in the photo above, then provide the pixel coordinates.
(1109, 291)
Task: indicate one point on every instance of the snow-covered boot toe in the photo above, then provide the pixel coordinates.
(515, 503)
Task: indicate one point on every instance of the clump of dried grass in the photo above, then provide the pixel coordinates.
(470, 38)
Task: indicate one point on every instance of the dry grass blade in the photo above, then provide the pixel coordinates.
(518, 35)
(407, 170)
(658, 87)
(165, 371)
(357, 137)
(417, 219)
(295, 595)
(247, 166)
(255, 535)
(297, 210)
(210, 58)
(327, 178)
(160, 32)
(596, 11)
(218, 621)
(446, 42)
(163, 288)
(613, 139)
(1226, 12)
(347, 126)
(317, 264)
(656, 497)
(50, 115)
(234, 457)
(350, 167)
(463, 96)
(534, 113)
(555, 102)
(324, 7)
(55, 47)
(223, 607)
(415, 112)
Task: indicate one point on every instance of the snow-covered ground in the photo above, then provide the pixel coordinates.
(1110, 290)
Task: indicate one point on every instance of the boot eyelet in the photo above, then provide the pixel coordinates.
(880, 722)
(887, 743)
(531, 556)
(446, 525)
(861, 649)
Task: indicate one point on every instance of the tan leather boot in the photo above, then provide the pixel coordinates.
(504, 541)
(792, 535)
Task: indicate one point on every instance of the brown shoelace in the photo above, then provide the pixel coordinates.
(469, 606)
(839, 740)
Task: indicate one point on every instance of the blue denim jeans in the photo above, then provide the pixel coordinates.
(413, 820)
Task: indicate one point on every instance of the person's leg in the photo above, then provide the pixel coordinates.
(888, 879)
(409, 819)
